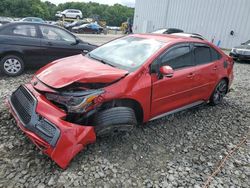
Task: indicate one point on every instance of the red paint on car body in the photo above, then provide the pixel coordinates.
(78, 69)
(155, 96)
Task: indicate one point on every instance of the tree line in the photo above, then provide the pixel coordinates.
(113, 15)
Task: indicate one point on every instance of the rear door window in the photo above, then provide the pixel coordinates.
(202, 54)
(24, 30)
(178, 57)
(215, 55)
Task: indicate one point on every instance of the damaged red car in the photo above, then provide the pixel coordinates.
(127, 81)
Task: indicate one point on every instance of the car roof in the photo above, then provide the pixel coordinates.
(72, 9)
(166, 29)
(30, 23)
(194, 35)
(31, 17)
(168, 38)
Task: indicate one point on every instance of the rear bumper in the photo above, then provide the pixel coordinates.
(67, 139)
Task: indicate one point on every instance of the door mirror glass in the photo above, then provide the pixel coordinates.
(167, 71)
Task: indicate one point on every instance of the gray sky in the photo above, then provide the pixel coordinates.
(129, 3)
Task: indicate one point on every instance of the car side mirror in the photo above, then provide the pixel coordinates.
(167, 71)
(76, 42)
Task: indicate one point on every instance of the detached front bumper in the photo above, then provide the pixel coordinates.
(44, 124)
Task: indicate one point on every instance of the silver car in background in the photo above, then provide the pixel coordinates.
(69, 13)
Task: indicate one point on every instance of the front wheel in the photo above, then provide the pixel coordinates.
(219, 92)
(12, 65)
(114, 121)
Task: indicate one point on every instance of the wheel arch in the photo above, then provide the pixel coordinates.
(16, 53)
(127, 102)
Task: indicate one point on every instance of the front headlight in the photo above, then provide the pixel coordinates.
(75, 102)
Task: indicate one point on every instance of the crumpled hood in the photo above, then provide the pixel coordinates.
(66, 71)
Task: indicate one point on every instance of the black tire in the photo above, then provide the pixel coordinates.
(63, 16)
(78, 17)
(219, 92)
(114, 121)
(12, 65)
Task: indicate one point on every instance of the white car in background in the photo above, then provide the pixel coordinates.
(192, 35)
(69, 13)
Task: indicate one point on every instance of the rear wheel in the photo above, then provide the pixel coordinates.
(78, 17)
(219, 92)
(12, 65)
(115, 121)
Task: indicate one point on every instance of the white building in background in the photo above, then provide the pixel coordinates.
(226, 22)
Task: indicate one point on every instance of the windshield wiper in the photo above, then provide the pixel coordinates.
(101, 60)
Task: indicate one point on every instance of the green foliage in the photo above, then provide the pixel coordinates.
(114, 15)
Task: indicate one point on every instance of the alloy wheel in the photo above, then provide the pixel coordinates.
(220, 92)
(12, 66)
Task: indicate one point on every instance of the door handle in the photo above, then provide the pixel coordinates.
(85, 51)
(190, 75)
(215, 68)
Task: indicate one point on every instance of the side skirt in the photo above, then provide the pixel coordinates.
(178, 109)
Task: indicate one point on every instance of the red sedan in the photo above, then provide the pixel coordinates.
(130, 80)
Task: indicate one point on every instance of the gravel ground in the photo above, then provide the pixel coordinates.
(180, 150)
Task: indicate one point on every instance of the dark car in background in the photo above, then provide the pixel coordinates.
(242, 52)
(168, 31)
(26, 44)
(93, 28)
(69, 26)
